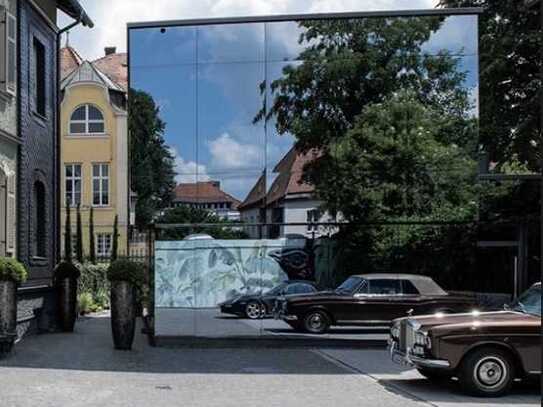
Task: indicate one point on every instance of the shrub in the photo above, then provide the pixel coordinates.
(94, 281)
(66, 270)
(12, 270)
(85, 303)
(126, 270)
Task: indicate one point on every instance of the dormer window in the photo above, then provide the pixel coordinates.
(87, 119)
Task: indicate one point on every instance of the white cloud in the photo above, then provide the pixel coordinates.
(188, 171)
(229, 154)
(110, 16)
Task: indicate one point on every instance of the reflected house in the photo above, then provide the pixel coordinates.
(207, 195)
(289, 201)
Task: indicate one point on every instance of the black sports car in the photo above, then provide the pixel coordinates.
(255, 306)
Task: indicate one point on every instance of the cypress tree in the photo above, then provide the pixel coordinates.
(68, 235)
(79, 236)
(92, 251)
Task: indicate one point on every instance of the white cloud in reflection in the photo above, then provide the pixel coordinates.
(229, 154)
(188, 171)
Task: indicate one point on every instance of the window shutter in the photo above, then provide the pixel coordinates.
(12, 215)
(11, 54)
(3, 47)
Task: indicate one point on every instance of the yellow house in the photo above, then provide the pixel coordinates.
(94, 153)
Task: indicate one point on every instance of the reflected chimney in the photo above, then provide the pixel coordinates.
(110, 50)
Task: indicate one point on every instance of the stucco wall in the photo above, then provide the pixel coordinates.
(86, 150)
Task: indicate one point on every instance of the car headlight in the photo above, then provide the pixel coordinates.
(422, 342)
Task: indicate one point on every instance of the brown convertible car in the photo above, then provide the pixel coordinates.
(486, 350)
(369, 299)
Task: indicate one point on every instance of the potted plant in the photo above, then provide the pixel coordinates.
(66, 275)
(12, 273)
(125, 277)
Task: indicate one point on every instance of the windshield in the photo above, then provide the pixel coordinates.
(529, 302)
(350, 285)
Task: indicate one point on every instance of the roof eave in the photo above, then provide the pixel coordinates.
(76, 11)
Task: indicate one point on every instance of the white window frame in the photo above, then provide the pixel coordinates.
(72, 179)
(87, 122)
(103, 249)
(100, 178)
(313, 216)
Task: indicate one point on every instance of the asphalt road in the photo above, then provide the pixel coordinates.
(82, 369)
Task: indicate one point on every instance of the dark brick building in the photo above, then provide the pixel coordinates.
(38, 174)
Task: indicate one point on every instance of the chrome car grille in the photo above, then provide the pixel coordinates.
(407, 336)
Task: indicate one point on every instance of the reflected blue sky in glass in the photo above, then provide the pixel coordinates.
(209, 121)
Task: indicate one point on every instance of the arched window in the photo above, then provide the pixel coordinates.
(40, 220)
(87, 119)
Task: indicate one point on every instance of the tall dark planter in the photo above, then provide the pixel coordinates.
(8, 315)
(67, 303)
(123, 314)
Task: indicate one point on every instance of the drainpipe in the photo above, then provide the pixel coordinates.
(58, 168)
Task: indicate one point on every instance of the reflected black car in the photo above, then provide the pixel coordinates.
(255, 306)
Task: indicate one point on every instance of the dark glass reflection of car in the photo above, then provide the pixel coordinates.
(255, 306)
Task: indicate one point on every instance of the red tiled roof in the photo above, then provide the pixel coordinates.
(203, 192)
(115, 67)
(69, 60)
(288, 181)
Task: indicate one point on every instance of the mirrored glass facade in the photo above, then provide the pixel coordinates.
(323, 148)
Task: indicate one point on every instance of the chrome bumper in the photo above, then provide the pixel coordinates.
(409, 359)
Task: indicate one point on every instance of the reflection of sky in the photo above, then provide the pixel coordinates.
(209, 122)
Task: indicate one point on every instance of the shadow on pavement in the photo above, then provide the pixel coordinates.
(90, 348)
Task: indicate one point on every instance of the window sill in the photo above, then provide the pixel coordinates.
(87, 136)
(103, 207)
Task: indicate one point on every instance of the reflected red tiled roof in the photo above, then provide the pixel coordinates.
(115, 67)
(203, 192)
(288, 181)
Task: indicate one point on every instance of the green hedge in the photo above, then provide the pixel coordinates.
(93, 287)
(12, 270)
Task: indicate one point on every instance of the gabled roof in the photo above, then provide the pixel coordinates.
(203, 192)
(257, 193)
(69, 60)
(115, 67)
(87, 72)
(288, 182)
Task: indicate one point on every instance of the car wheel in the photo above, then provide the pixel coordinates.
(487, 372)
(254, 310)
(434, 374)
(316, 322)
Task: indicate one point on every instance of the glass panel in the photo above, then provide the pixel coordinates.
(95, 114)
(228, 100)
(105, 170)
(457, 35)
(12, 63)
(69, 169)
(162, 47)
(77, 170)
(96, 127)
(173, 90)
(232, 43)
(79, 113)
(77, 128)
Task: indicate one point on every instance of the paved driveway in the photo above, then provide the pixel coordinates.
(82, 369)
